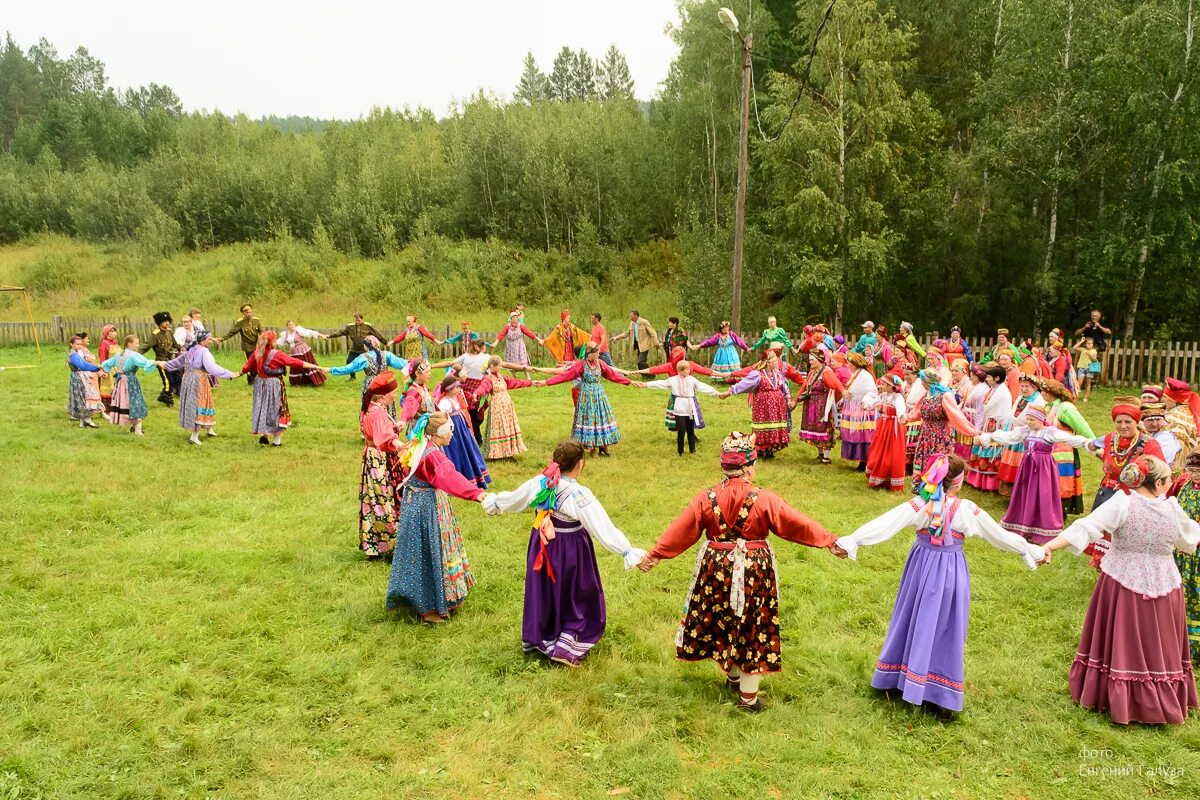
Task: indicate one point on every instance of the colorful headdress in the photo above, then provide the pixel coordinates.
(373, 343)
(859, 360)
(933, 492)
(1192, 461)
(1154, 390)
(738, 451)
(1128, 407)
(1027, 377)
(1002, 332)
(1055, 334)
(1152, 410)
(563, 316)
(818, 353)
(413, 450)
(961, 365)
(107, 330)
(382, 383)
(201, 336)
(1179, 392)
(933, 380)
(544, 502)
(1134, 474)
(892, 380)
(1035, 413)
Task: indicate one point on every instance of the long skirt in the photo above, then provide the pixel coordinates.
(83, 396)
(726, 359)
(935, 438)
(594, 425)
(815, 425)
(128, 402)
(711, 630)
(886, 461)
(312, 377)
(1070, 479)
(1189, 570)
(1010, 463)
(564, 614)
(858, 429)
(106, 389)
(515, 352)
(196, 410)
(769, 420)
(1034, 510)
(912, 434)
(983, 471)
(923, 652)
(269, 413)
(962, 446)
(503, 432)
(377, 501)
(430, 570)
(464, 453)
(1133, 659)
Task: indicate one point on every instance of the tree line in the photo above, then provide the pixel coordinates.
(1012, 162)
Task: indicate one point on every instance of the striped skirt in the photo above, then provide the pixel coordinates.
(196, 409)
(858, 429)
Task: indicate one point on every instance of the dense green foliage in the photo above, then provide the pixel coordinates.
(198, 623)
(975, 162)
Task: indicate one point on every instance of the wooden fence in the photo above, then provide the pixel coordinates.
(1127, 363)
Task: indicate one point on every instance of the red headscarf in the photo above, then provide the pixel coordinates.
(1128, 409)
(1181, 393)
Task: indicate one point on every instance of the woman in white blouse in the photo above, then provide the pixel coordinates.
(683, 411)
(984, 471)
(565, 613)
(922, 654)
(1133, 659)
(294, 341)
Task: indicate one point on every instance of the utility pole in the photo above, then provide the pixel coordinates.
(739, 212)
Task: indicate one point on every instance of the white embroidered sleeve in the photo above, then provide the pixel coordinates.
(883, 527)
(595, 521)
(1105, 519)
(974, 521)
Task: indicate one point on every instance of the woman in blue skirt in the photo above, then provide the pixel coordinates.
(726, 358)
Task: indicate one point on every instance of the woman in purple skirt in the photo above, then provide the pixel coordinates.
(923, 653)
(1133, 659)
(1035, 510)
(564, 614)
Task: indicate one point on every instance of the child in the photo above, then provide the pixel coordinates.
(683, 409)
(564, 614)
(886, 462)
(462, 450)
(923, 652)
(1087, 361)
(1035, 510)
(502, 432)
(732, 614)
(1133, 659)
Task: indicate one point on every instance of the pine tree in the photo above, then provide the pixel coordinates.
(583, 77)
(532, 86)
(615, 81)
(560, 84)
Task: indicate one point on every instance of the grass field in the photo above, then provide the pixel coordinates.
(198, 623)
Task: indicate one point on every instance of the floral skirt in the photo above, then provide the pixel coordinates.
(711, 630)
(430, 570)
(377, 501)
(983, 471)
(595, 425)
(128, 403)
(1189, 570)
(503, 432)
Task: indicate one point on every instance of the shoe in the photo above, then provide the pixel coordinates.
(212, 433)
(194, 441)
(276, 444)
(263, 440)
(753, 707)
(734, 685)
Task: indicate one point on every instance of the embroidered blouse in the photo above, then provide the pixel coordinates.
(390, 359)
(684, 391)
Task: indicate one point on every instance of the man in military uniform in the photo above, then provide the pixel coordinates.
(162, 341)
(248, 329)
(355, 333)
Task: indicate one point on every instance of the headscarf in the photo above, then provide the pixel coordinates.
(107, 330)
(933, 381)
(1150, 410)
(738, 451)
(1181, 393)
(381, 384)
(1127, 406)
(859, 360)
(1153, 390)
(201, 336)
(1134, 474)
(961, 365)
(1035, 413)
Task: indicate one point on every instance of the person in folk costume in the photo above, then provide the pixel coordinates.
(594, 425)
(379, 481)
(1012, 376)
(1035, 510)
(128, 406)
(884, 350)
(463, 450)
(957, 347)
(674, 336)
(886, 460)
(840, 366)
(1062, 413)
(162, 342)
(1183, 411)
(1133, 660)
(732, 612)
(1029, 396)
(1186, 491)
(565, 340)
(858, 420)
(294, 341)
(197, 411)
(470, 368)
(418, 399)
(936, 361)
(961, 383)
(773, 334)
(910, 340)
(1154, 423)
(83, 391)
(269, 414)
(564, 613)
(820, 396)
(513, 335)
(502, 431)
(466, 336)
(374, 361)
(683, 410)
(430, 568)
(923, 652)
(91, 380)
(914, 393)
(413, 338)
(107, 349)
(902, 351)
(767, 384)
(668, 367)
(1003, 345)
(940, 418)
(983, 473)
(726, 358)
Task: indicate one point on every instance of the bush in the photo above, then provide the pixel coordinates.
(52, 272)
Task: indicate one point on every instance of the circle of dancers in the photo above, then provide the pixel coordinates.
(928, 420)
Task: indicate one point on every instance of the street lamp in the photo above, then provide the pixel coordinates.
(730, 21)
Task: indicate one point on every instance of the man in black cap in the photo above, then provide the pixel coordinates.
(355, 333)
(162, 341)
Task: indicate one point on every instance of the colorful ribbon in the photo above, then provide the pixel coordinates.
(933, 493)
(544, 502)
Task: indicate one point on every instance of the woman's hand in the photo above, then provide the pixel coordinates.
(647, 563)
(837, 551)
(1047, 555)
(724, 395)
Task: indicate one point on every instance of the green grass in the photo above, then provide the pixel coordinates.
(198, 623)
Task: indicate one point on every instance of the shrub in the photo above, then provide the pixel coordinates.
(52, 272)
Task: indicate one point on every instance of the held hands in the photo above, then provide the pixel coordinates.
(539, 384)
(647, 563)
(724, 395)
(637, 384)
(1047, 555)
(837, 551)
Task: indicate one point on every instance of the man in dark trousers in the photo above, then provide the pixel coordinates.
(162, 341)
(644, 338)
(248, 329)
(355, 332)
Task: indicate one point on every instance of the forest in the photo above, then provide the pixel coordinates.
(978, 162)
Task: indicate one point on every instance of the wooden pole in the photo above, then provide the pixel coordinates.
(739, 215)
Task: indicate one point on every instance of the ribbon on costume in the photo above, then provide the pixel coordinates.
(737, 581)
(413, 450)
(544, 502)
(934, 495)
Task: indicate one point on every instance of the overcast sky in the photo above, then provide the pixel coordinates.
(338, 59)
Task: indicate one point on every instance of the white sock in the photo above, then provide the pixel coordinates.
(195, 437)
(212, 431)
(277, 439)
(81, 424)
(734, 673)
(137, 428)
(749, 685)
